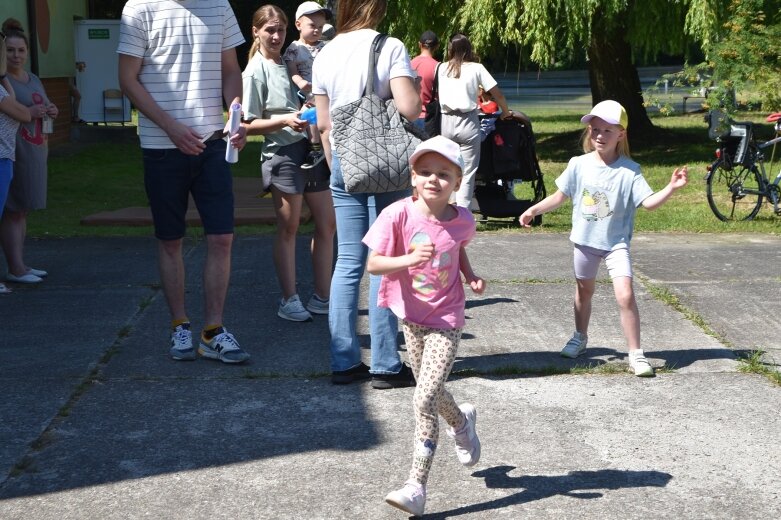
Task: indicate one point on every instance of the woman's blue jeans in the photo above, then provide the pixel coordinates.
(6, 174)
(355, 213)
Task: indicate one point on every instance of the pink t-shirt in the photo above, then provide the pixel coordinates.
(431, 295)
(425, 67)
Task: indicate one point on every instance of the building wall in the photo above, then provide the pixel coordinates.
(52, 35)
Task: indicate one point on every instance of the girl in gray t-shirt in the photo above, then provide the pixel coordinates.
(606, 187)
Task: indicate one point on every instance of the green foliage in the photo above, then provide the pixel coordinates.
(559, 30)
(743, 64)
(407, 19)
(747, 58)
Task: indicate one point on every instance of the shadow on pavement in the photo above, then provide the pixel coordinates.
(575, 484)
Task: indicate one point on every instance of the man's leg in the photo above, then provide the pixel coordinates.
(171, 267)
(212, 191)
(216, 275)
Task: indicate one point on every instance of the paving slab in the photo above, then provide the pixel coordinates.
(553, 447)
(97, 422)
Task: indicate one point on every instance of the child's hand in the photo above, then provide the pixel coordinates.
(679, 178)
(477, 284)
(420, 254)
(526, 218)
(296, 123)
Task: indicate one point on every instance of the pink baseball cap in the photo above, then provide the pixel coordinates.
(441, 145)
(608, 111)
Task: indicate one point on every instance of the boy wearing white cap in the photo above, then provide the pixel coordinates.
(606, 187)
(299, 56)
(418, 245)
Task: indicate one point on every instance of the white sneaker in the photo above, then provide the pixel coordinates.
(293, 310)
(317, 305)
(575, 346)
(182, 343)
(640, 364)
(411, 498)
(467, 441)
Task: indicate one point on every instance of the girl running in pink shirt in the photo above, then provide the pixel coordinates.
(418, 243)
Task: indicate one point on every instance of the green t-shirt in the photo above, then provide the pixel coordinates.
(269, 92)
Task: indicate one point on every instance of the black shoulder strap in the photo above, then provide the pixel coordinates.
(435, 87)
(374, 54)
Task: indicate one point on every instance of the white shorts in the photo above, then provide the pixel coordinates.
(586, 260)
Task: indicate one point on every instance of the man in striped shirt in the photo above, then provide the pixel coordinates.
(177, 63)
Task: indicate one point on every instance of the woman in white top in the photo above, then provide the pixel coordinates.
(339, 76)
(459, 82)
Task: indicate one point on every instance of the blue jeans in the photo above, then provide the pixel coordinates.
(6, 174)
(355, 212)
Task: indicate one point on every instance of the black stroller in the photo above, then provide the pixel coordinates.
(509, 180)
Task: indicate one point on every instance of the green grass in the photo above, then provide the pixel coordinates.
(752, 363)
(108, 176)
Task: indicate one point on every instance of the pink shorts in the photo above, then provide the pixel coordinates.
(587, 260)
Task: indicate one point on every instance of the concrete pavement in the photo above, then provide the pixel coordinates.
(97, 422)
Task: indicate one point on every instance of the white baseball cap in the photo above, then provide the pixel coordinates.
(608, 111)
(311, 8)
(441, 145)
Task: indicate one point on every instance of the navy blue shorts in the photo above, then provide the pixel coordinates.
(170, 177)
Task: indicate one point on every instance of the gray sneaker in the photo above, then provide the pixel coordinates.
(182, 343)
(317, 305)
(575, 346)
(293, 310)
(223, 347)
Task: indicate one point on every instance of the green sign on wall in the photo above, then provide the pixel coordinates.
(97, 34)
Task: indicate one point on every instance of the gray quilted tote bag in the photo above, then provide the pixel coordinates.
(373, 141)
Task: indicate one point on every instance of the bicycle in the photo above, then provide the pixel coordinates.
(737, 181)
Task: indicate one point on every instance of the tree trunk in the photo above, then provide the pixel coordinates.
(613, 75)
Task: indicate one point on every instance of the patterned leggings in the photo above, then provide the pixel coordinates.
(431, 354)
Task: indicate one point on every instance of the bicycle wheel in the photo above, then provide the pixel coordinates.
(734, 194)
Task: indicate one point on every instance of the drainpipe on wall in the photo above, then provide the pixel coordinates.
(31, 20)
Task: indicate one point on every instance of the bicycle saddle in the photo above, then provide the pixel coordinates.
(772, 118)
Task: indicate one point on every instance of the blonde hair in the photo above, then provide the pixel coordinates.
(352, 15)
(622, 147)
(262, 16)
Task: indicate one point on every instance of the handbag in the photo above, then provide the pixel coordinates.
(372, 139)
(433, 121)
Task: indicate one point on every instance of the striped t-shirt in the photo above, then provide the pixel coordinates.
(181, 44)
